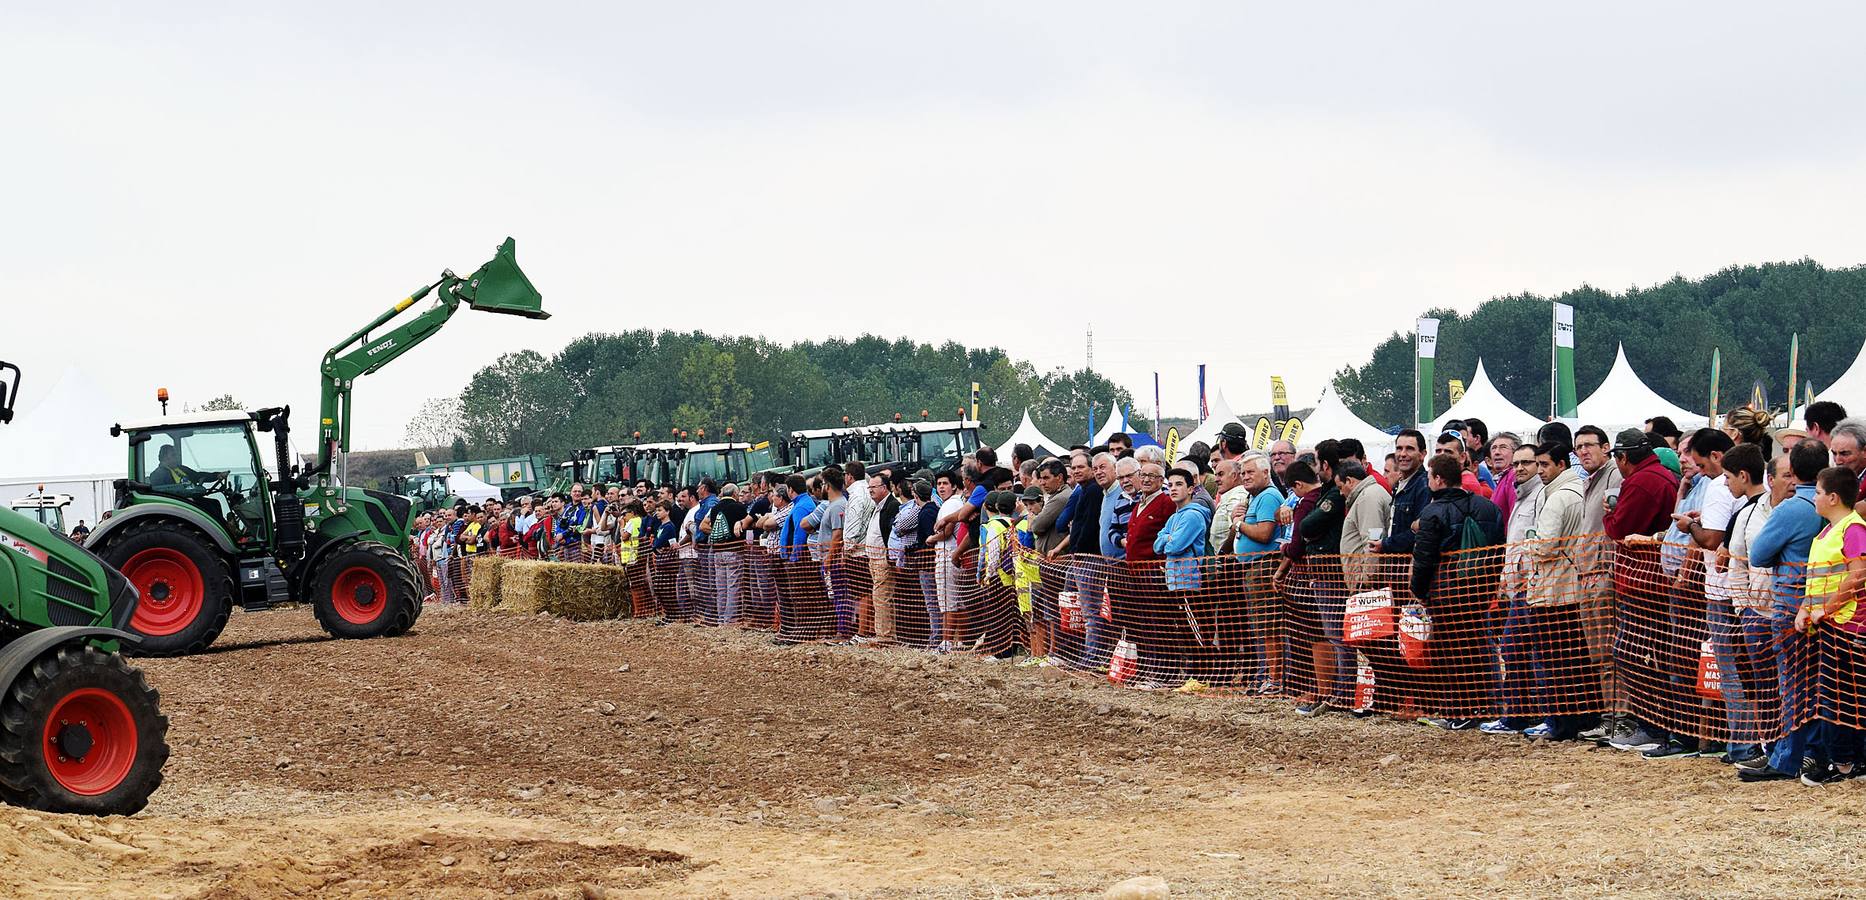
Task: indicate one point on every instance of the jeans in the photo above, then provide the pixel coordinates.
(1523, 688)
(838, 582)
(929, 594)
(1090, 580)
(1730, 645)
(446, 567)
(726, 565)
(1794, 657)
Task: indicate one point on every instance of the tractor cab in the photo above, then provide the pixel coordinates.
(209, 461)
(728, 462)
(46, 509)
(427, 490)
(931, 445)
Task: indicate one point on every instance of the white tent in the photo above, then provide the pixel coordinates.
(1332, 419)
(1209, 429)
(1849, 390)
(62, 427)
(1483, 401)
(462, 484)
(1117, 422)
(1624, 401)
(1028, 433)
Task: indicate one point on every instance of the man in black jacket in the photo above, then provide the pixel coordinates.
(1459, 675)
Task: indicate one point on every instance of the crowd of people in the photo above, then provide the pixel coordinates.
(1659, 592)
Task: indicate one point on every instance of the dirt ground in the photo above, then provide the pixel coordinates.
(489, 755)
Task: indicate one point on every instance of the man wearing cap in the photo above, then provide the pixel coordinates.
(1648, 494)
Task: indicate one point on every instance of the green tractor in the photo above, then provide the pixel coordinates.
(80, 730)
(201, 523)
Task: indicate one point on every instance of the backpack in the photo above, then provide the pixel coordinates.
(1471, 563)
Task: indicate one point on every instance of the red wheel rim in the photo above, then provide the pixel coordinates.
(172, 590)
(97, 726)
(358, 595)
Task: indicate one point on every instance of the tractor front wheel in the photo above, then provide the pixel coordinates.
(365, 590)
(81, 732)
(185, 591)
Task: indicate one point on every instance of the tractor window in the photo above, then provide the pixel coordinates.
(606, 470)
(194, 455)
(819, 452)
(707, 465)
(938, 447)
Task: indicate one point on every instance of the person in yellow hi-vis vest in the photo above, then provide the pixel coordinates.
(1836, 573)
(628, 553)
(997, 551)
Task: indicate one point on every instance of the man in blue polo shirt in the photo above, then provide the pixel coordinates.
(1254, 523)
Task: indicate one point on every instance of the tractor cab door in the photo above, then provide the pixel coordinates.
(214, 468)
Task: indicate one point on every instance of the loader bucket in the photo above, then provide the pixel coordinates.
(500, 286)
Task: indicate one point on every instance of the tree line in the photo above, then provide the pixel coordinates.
(1669, 329)
(603, 388)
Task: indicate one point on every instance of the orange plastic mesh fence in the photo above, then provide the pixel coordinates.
(1556, 630)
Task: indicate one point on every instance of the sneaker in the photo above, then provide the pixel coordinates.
(1672, 748)
(1312, 708)
(1819, 774)
(1759, 761)
(1447, 724)
(1762, 773)
(1028, 662)
(1268, 688)
(1638, 739)
(1540, 732)
(1192, 686)
(1361, 712)
(1050, 662)
(1497, 726)
(1598, 733)
(945, 646)
(860, 639)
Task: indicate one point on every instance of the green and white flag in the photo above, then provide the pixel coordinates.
(1426, 346)
(1566, 403)
(1716, 371)
(1794, 362)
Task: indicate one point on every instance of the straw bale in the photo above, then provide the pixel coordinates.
(483, 589)
(580, 592)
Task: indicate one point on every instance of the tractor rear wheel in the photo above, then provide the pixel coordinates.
(186, 590)
(81, 732)
(365, 590)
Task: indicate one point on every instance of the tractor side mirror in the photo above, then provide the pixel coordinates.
(9, 392)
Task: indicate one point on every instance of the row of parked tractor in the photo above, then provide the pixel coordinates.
(909, 446)
(214, 511)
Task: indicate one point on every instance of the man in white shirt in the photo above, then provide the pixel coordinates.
(1738, 600)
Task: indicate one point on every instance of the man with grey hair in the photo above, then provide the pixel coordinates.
(724, 550)
(1282, 453)
(1847, 443)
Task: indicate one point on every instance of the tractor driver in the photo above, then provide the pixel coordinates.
(169, 471)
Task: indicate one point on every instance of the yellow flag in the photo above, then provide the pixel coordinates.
(1457, 391)
(1260, 436)
(1172, 444)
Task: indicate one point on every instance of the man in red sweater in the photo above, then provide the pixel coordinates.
(1648, 492)
(1150, 513)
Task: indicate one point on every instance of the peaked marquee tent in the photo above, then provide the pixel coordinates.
(1624, 401)
(1332, 419)
(1849, 390)
(1028, 433)
(1483, 401)
(1209, 429)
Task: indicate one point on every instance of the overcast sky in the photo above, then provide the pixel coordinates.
(206, 197)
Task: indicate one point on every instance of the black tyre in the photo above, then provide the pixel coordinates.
(81, 732)
(365, 590)
(185, 587)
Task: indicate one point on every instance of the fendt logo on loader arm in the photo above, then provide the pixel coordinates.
(385, 345)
